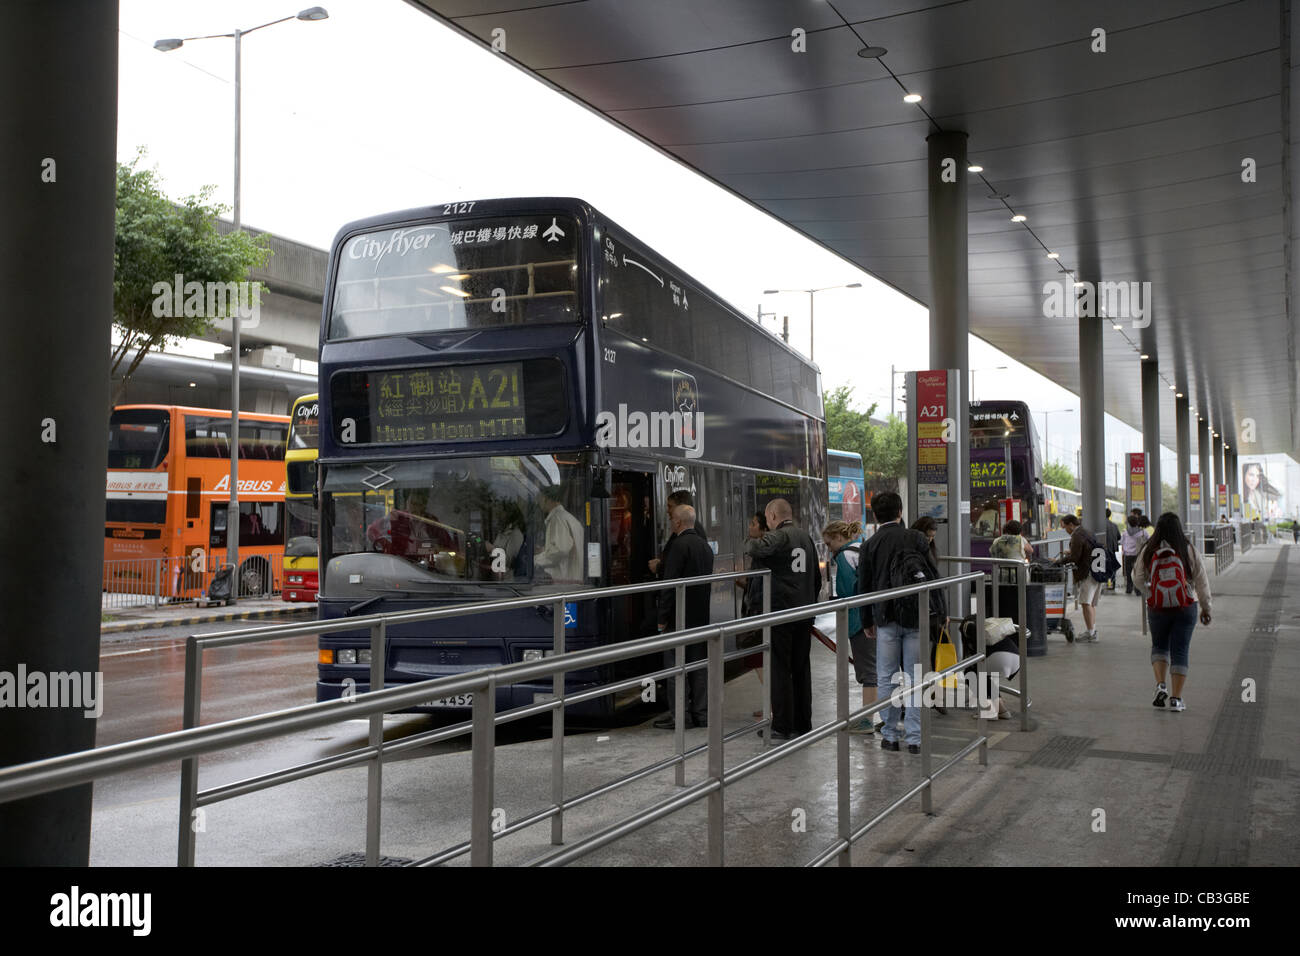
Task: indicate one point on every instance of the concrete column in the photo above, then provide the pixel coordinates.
(949, 303)
(1220, 476)
(1092, 424)
(1151, 435)
(58, 68)
(1234, 475)
(1204, 469)
(1183, 449)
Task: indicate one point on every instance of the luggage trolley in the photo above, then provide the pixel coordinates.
(1054, 578)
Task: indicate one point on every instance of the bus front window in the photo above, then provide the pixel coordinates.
(519, 520)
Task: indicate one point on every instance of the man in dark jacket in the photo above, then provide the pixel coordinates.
(1081, 555)
(898, 642)
(796, 579)
(687, 555)
(1112, 545)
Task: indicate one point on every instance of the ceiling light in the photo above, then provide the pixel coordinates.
(1178, 395)
(912, 98)
(1173, 388)
(1018, 218)
(1144, 356)
(1117, 327)
(872, 52)
(194, 384)
(1053, 255)
(974, 168)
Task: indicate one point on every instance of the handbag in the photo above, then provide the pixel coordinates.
(945, 655)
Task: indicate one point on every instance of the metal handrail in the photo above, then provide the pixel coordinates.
(69, 770)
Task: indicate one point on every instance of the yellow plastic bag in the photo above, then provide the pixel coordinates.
(945, 655)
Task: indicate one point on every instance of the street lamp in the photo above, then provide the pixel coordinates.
(995, 368)
(851, 285)
(1047, 445)
(232, 513)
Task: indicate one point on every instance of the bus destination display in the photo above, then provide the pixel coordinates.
(447, 403)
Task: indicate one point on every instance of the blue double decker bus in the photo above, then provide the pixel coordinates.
(510, 390)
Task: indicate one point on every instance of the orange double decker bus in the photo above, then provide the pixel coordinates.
(169, 491)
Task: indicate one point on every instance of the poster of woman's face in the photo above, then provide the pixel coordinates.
(1252, 499)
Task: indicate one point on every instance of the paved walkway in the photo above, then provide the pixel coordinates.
(1102, 779)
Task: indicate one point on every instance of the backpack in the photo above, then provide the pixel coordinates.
(907, 566)
(1112, 563)
(854, 561)
(1168, 578)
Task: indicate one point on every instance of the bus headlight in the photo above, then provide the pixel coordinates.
(346, 655)
(535, 654)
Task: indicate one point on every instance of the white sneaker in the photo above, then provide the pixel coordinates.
(1162, 695)
(1176, 703)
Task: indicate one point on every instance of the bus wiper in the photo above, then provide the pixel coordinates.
(362, 605)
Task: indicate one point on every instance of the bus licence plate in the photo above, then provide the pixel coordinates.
(459, 700)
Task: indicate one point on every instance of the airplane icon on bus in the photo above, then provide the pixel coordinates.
(554, 233)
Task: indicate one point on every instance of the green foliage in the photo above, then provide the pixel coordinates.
(1055, 473)
(1168, 498)
(883, 448)
(155, 240)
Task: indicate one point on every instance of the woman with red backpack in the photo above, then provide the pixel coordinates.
(1162, 571)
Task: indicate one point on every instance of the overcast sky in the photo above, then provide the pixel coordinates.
(380, 107)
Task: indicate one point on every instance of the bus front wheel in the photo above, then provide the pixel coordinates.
(255, 578)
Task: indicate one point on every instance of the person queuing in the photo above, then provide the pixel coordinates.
(842, 538)
(1088, 590)
(796, 579)
(1130, 544)
(561, 555)
(1163, 568)
(1012, 546)
(751, 604)
(895, 624)
(1112, 545)
(687, 555)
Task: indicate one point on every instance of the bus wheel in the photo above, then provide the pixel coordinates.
(255, 578)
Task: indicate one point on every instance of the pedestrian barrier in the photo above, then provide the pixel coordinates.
(154, 582)
(189, 744)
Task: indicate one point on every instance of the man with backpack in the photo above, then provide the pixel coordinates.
(1112, 545)
(896, 556)
(1164, 566)
(1093, 565)
(796, 580)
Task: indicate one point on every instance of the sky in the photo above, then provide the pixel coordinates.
(381, 108)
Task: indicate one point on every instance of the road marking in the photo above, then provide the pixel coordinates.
(142, 650)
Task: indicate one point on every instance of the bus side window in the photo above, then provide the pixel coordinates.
(193, 498)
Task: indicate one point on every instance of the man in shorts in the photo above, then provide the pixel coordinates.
(1089, 591)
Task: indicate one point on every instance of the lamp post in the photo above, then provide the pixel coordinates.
(232, 512)
(995, 368)
(1047, 444)
(851, 285)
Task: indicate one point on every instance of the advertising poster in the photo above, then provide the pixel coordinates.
(1137, 478)
(1194, 489)
(931, 449)
(1253, 487)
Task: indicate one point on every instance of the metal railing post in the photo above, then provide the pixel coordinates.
(842, 709)
(557, 730)
(1022, 573)
(679, 689)
(767, 663)
(717, 829)
(375, 766)
(190, 765)
(981, 669)
(996, 578)
(482, 760)
(916, 696)
(157, 582)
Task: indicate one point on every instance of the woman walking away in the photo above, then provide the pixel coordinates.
(843, 540)
(1162, 571)
(1131, 543)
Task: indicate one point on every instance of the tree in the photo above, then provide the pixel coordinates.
(1168, 499)
(157, 239)
(883, 447)
(888, 451)
(1055, 473)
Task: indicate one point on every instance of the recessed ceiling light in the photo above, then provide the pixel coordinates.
(872, 52)
(1144, 356)
(1018, 218)
(1117, 327)
(1053, 255)
(194, 384)
(974, 168)
(1173, 388)
(912, 98)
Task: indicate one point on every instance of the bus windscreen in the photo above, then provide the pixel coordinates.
(137, 438)
(462, 274)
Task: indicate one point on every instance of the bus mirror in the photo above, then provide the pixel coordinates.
(600, 481)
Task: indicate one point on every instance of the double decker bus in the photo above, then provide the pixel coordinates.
(1059, 502)
(1004, 463)
(302, 524)
(517, 386)
(846, 486)
(168, 497)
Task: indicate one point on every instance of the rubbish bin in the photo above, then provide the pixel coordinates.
(1035, 608)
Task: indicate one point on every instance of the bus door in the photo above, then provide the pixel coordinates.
(631, 537)
(747, 504)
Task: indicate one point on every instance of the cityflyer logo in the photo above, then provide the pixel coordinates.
(398, 242)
